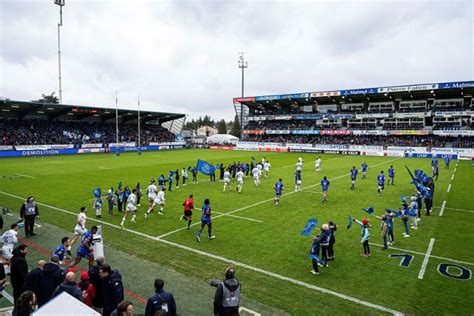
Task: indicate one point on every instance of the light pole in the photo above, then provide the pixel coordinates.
(243, 64)
(61, 4)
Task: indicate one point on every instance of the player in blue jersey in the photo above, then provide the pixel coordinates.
(85, 248)
(434, 163)
(391, 174)
(354, 173)
(447, 160)
(298, 181)
(380, 182)
(435, 172)
(206, 220)
(364, 170)
(325, 186)
(61, 250)
(278, 189)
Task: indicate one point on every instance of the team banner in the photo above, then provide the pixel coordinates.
(205, 167)
(306, 132)
(455, 85)
(409, 132)
(429, 86)
(307, 117)
(336, 132)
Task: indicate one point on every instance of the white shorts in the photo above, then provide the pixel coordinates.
(259, 172)
(266, 170)
(255, 177)
(131, 208)
(158, 202)
(226, 180)
(78, 230)
(317, 166)
(7, 251)
(151, 197)
(298, 182)
(240, 182)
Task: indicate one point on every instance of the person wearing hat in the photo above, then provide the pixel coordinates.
(227, 297)
(87, 288)
(29, 211)
(365, 235)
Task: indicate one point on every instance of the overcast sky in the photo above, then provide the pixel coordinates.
(181, 56)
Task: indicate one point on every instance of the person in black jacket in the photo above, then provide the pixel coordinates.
(96, 281)
(69, 286)
(227, 297)
(32, 280)
(51, 277)
(112, 288)
(160, 301)
(18, 270)
(29, 211)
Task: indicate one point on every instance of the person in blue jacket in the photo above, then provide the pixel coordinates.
(391, 174)
(324, 243)
(161, 300)
(314, 252)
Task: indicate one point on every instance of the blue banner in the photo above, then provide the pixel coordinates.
(307, 117)
(418, 155)
(454, 85)
(205, 167)
(359, 91)
(268, 98)
(306, 132)
(450, 156)
(295, 96)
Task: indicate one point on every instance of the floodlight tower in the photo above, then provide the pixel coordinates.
(243, 64)
(61, 4)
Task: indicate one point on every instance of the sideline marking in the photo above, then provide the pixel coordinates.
(240, 217)
(236, 263)
(105, 168)
(427, 258)
(254, 313)
(25, 175)
(8, 296)
(448, 208)
(449, 188)
(442, 208)
(421, 253)
(264, 201)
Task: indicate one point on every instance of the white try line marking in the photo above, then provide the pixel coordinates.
(455, 170)
(449, 188)
(421, 253)
(442, 208)
(230, 261)
(240, 217)
(427, 258)
(25, 175)
(452, 177)
(264, 201)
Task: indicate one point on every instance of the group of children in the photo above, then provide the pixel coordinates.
(322, 248)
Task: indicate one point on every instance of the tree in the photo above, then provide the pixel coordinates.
(221, 127)
(236, 127)
(51, 99)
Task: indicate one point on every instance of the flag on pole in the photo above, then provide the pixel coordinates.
(369, 210)
(97, 192)
(205, 167)
(349, 225)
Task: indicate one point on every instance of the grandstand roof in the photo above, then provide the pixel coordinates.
(22, 109)
(444, 90)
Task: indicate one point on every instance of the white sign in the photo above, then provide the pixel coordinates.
(431, 86)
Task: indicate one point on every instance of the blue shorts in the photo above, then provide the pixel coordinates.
(278, 194)
(82, 252)
(205, 221)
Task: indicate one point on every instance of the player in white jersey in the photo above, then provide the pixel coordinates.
(159, 200)
(317, 164)
(259, 168)
(227, 181)
(9, 239)
(240, 180)
(299, 166)
(151, 192)
(131, 207)
(266, 167)
(80, 227)
(256, 177)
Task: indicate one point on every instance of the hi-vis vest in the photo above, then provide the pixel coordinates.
(229, 298)
(30, 208)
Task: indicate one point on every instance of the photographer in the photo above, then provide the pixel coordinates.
(28, 212)
(227, 297)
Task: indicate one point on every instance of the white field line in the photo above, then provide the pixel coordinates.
(442, 208)
(264, 201)
(317, 192)
(427, 258)
(240, 217)
(452, 177)
(254, 313)
(7, 296)
(25, 175)
(105, 168)
(421, 253)
(230, 261)
(449, 188)
(455, 170)
(457, 209)
(294, 164)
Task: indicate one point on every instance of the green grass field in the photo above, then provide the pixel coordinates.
(263, 241)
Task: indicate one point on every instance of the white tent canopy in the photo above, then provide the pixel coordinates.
(65, 305)
(222, 139)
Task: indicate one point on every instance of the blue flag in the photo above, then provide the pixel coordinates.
(311, 256)
(312, 222)
(97, 192)
(349, 225)
(369, 210)
(205, 167)
(394, 213)
(119, 186)
(404, 199)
